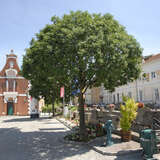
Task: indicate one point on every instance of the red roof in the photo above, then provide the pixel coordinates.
(152, 58)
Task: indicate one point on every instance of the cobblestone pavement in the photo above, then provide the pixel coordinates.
(22, 138)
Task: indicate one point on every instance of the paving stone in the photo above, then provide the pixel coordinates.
(23, 138)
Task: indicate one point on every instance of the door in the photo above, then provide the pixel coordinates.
(10, 108)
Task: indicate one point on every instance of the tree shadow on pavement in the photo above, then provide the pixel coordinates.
(38, 145)
(130, 155)
(51, 129)
(25, 119)
(97, 146)
(101, 141)
(46, 143)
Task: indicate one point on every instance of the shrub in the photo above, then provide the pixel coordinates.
(72, 108)
(93, 131)
(128, 113)
(47, 109)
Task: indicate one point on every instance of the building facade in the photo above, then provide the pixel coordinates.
(146, 89)
(14, 99)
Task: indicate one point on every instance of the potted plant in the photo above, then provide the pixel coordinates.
(128, 114)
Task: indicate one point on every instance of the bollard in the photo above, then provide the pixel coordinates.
(109, 128)
(148, 143)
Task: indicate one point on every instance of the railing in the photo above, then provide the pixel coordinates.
(156, 128)
(156, 124)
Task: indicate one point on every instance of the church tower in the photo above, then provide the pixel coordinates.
(13, 88)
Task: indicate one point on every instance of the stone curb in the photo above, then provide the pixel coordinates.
(64, 123)
(94, 148)
(120, 153)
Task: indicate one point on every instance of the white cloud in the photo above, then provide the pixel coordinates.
(148, 51)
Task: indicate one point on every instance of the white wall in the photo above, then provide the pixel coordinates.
(147, 86)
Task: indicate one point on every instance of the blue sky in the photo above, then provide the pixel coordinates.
(21, 19)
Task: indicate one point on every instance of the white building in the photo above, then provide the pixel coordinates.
(146, 89)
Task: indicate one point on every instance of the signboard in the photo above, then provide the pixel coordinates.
(62, 92)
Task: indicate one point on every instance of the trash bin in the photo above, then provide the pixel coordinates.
(148, 143)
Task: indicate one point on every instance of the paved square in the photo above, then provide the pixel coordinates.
(22, 138)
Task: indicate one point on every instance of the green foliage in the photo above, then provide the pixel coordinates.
(128, 113)
(72, 108)
(44, 109)
(93, 131)
(90, 48)
(57, 105)
(47, 109)
(144, 75)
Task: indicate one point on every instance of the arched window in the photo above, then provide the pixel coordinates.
(11, 85)
(11, 73)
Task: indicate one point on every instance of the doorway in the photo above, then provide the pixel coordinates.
(9, 108)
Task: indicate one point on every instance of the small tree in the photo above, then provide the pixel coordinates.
(128, 113)
(41, 75)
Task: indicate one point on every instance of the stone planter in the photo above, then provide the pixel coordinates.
(111, 110)
(111, 107)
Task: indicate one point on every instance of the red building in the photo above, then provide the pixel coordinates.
(13, 89)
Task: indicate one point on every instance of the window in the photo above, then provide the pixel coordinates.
(7, 85)
(118, 97)
(10, 85)
(14, 85)
(156, 94)
(146, 76)
(114, 98)
(110, 98)
(11, 73)
(153, 75)
(11, 64)
(140, 95)
(130, 94)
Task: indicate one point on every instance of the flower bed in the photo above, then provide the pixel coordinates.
(93, 131)
(140, 105)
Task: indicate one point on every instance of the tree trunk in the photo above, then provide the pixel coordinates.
(53, 113)
(82, 127)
